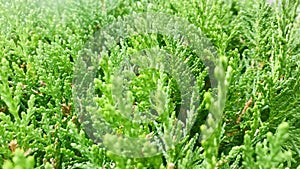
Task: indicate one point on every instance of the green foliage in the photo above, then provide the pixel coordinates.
(268, 150)
(250, 120)
(19, 161)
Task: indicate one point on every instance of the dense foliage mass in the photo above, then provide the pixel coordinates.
(256, 43)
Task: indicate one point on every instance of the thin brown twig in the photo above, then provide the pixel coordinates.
(247, 105)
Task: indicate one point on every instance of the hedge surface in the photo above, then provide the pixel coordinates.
(256, 43)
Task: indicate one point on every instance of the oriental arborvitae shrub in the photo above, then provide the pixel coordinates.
(256, 44)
